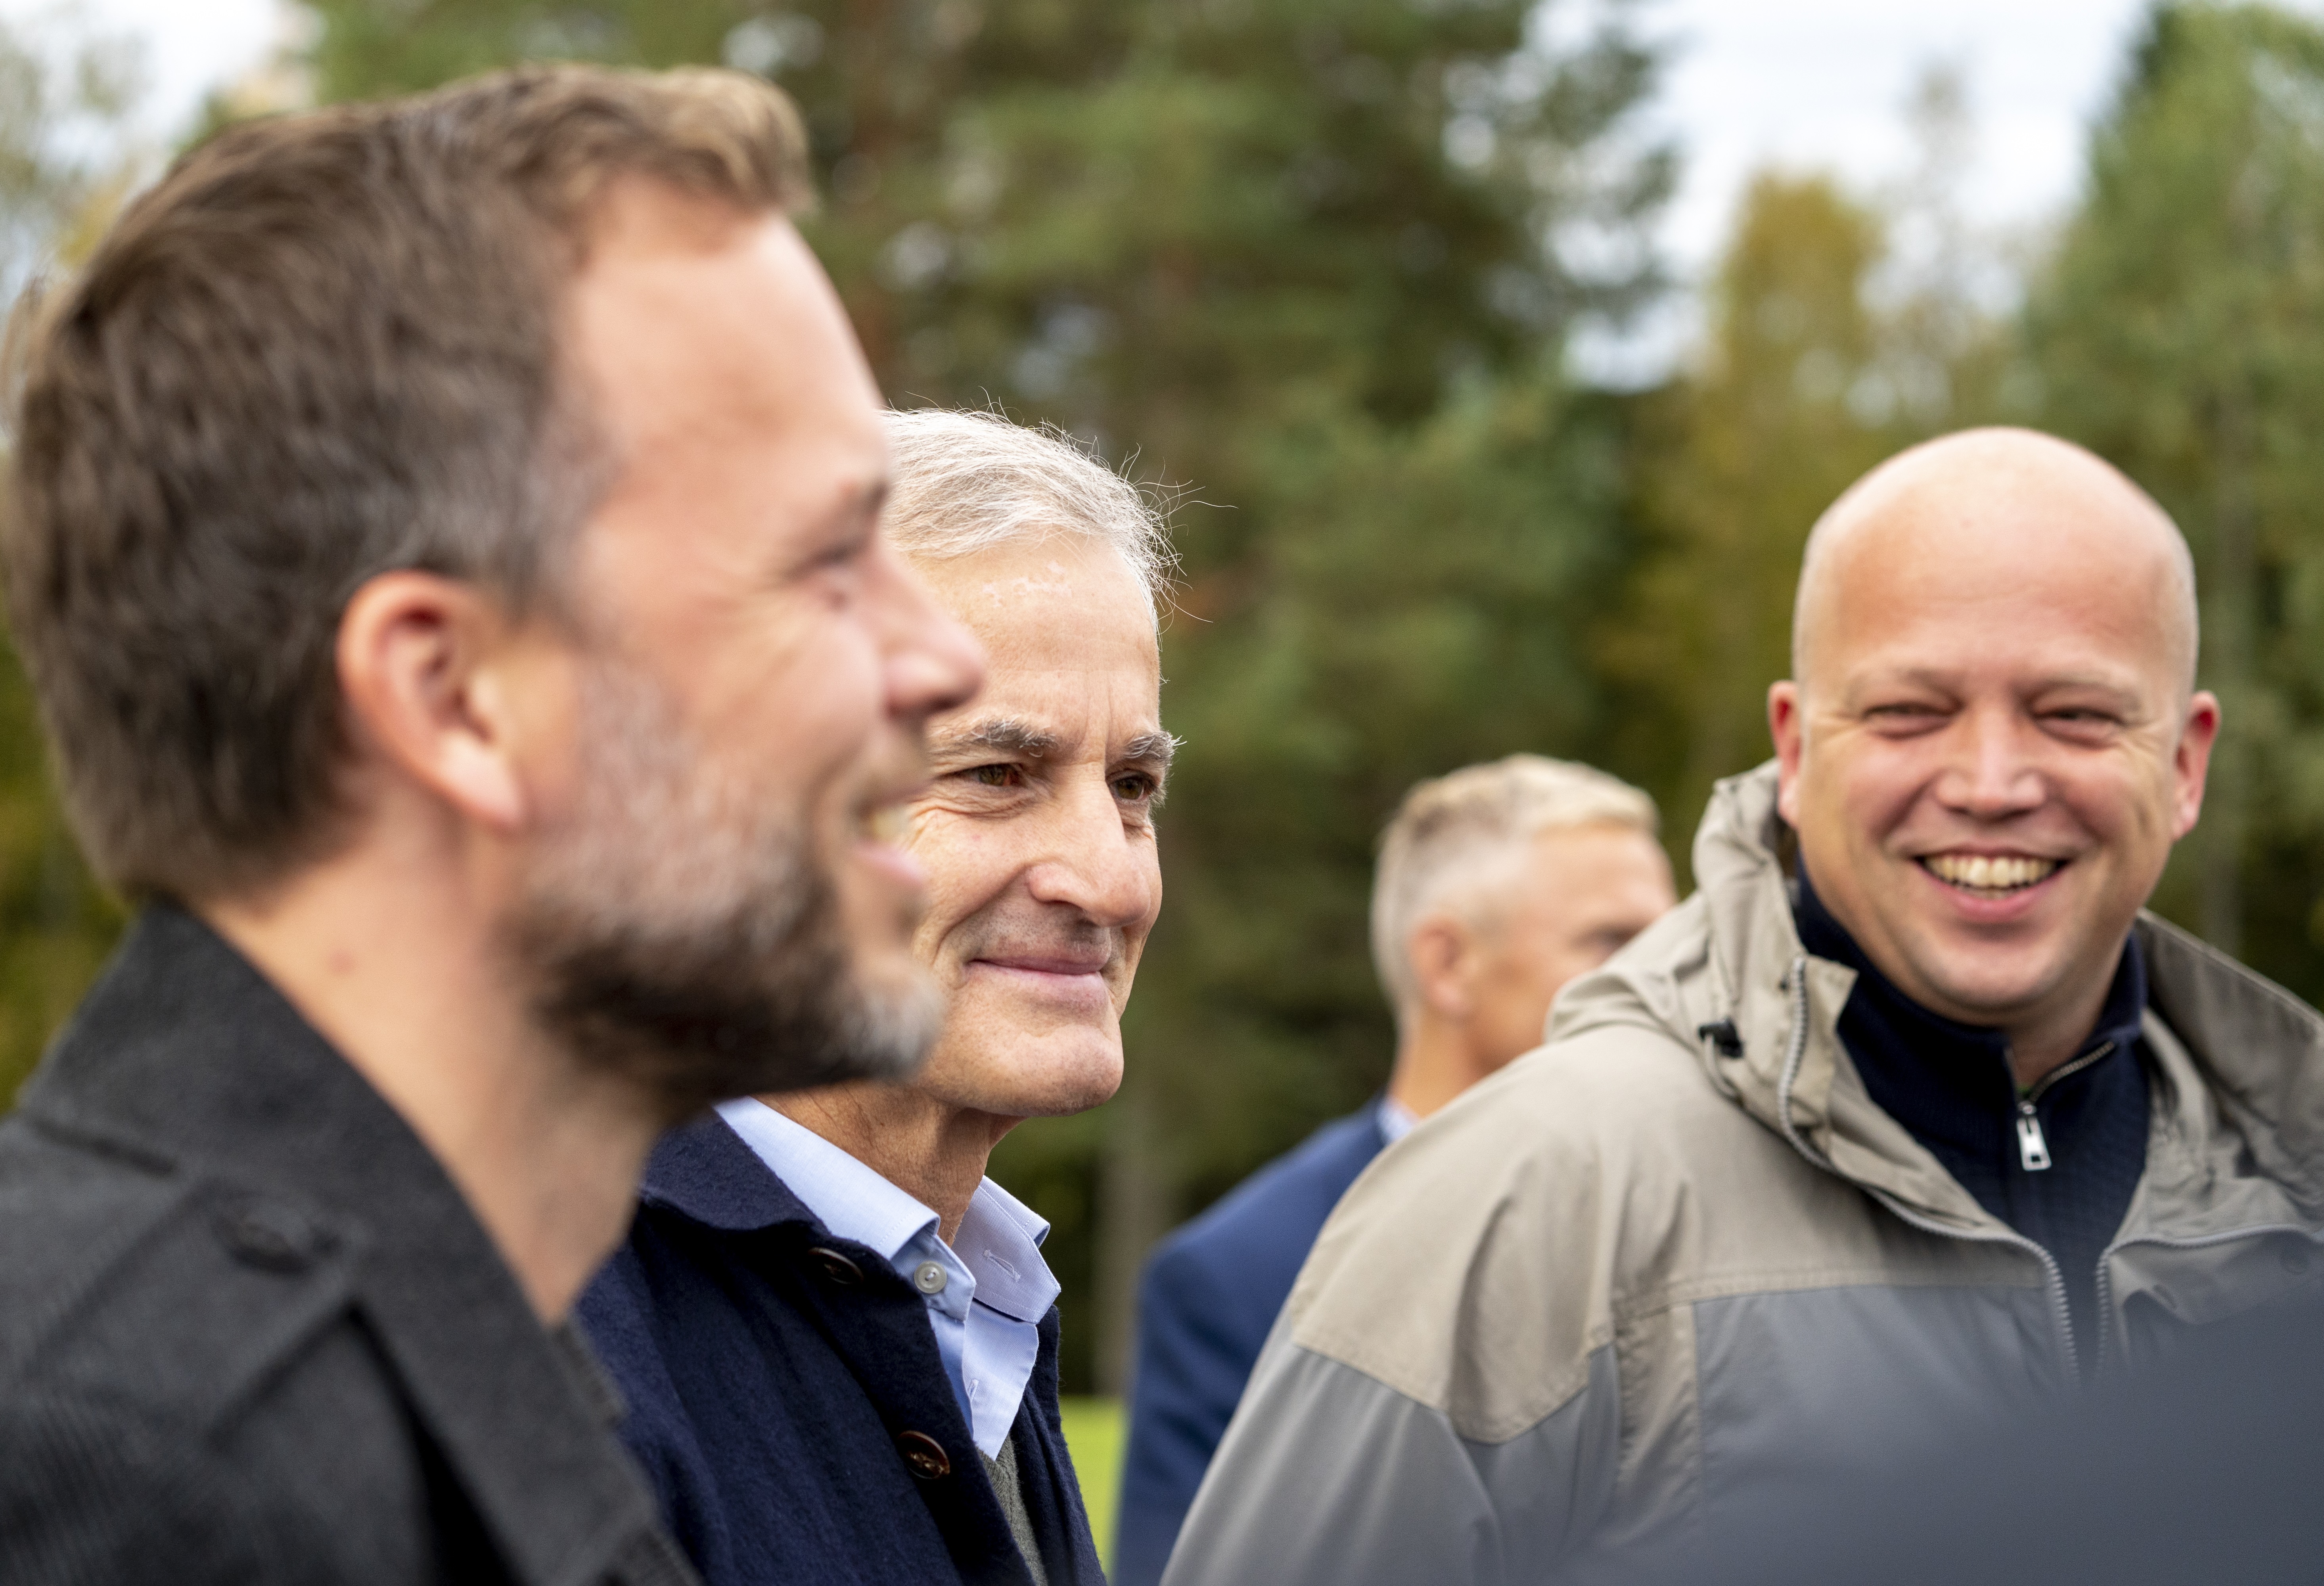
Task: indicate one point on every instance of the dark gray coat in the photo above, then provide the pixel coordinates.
(250, 1332)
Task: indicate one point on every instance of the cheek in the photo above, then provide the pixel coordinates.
(811, 700)
(2123, 803)
(969, 863)
(1873, 788)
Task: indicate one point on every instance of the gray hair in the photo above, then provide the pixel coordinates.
(1454, 838)
(966, 482)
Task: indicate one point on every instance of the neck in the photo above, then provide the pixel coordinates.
(1433, 1064)
(388, 951)
(930, 1149)
(2043, 1041)
(2039, 1048)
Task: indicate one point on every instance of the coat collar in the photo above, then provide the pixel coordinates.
(704, 1172)
(2239, 1129)
(184, 1055)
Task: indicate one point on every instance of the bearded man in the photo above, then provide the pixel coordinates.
(444, 550)
(836, 1336)
(1911, 1111)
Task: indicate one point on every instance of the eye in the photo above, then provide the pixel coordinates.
(2081, 721)
(1904, 716)
(1134, 787)
(997, 776)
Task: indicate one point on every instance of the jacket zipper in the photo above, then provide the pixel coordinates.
(2060, 1313)
(2033, 1149)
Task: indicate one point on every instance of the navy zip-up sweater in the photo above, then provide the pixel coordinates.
(788, 1403)
(1951, 1085)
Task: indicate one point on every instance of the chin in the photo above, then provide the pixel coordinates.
(1052, 1078)
(1988, 999)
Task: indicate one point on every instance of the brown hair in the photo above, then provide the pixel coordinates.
(323, 347)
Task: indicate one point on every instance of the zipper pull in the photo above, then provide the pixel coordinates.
(2032, 1150)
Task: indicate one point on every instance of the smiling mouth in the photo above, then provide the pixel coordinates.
(1989, 875)
(1067, 967)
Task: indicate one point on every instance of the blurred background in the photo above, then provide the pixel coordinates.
(1495, 355)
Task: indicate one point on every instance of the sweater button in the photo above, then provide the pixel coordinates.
(836, 1268)
(924, 1454)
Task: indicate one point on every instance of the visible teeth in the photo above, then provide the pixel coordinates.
(1986, 872)
(885, 823)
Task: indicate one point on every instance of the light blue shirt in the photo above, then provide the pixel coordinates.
(986, 1292)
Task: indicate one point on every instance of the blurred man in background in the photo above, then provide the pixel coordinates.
(444, 545)
(1911, 1111)
(1497, 885)
(836, 1337)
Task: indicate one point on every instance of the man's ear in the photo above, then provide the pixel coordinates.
(1440, 951)
(422, 666)
(2192, 762)
(1785, 726)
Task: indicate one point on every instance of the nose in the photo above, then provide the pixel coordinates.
(1994, 771)
(932, 661)
(1096, 864)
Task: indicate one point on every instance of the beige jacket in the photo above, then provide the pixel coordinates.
(1630, 1283)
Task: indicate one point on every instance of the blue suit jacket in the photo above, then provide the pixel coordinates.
(788, 1403)
(1209, 1295)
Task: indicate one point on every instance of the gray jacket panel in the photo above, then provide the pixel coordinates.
(1444, 1509)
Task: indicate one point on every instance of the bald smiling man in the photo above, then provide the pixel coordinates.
(1910, 1111)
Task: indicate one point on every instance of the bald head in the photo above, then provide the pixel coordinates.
(1991, 737)
(1995, 502)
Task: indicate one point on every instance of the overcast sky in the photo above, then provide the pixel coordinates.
(1805, 83)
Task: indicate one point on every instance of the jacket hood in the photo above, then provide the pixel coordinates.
(2238, 1133)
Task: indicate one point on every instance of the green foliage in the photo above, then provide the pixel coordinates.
(1829, 350)
(2179, 332)
(62, 171)
(1744, 457)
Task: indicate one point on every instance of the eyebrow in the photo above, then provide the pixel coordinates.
(1002, 735)
(1154, 749)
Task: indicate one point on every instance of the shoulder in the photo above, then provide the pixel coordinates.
(1285, 1199)
(1478, 1266)
(105, 1254)
(1305, 1180)
(175, 1353)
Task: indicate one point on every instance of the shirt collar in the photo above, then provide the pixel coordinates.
(999, 1241)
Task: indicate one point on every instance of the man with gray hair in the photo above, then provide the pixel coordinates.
(1497, 885)
(837, 1337)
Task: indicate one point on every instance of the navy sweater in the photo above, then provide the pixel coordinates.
(1950, 1084)
(788, 1403)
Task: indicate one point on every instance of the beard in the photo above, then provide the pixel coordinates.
(682, 935)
